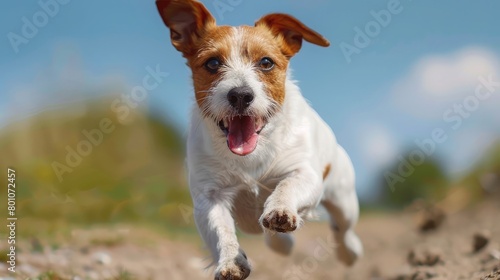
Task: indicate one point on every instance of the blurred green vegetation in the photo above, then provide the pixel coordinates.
(487, 171)
(483, 181)
(136, 174)
(428, 182)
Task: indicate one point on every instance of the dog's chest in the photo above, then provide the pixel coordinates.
(252, 178)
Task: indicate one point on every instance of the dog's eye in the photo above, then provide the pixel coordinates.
(213, 64)
(266, 64)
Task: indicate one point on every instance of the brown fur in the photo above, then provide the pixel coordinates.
(260, 43)
(216, 43)
(326, 171)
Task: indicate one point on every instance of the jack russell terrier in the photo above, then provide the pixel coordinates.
(258, 155)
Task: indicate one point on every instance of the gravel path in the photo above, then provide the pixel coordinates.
(465, 246)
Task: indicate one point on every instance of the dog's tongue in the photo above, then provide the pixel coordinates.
(242, 136)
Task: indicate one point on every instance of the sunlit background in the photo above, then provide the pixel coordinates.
(412, 92)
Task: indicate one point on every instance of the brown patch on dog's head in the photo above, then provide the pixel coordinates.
(215, 44)
(259, 43)
(326, 171)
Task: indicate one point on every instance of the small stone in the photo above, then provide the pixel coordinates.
(102, 258)
(421, 275)
(418, 276)
(93, 275)
(427, 257)
(481, 239)
(495, 254)
(432, 218)
(492, 256)
(84, 250)
(492, 276)
(28, 269)
(36, 246)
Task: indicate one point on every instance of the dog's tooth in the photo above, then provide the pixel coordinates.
(226, 122)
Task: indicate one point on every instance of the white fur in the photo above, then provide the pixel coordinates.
(284, 174)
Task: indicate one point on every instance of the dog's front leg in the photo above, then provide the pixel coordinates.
(216, 226)
(299, 191)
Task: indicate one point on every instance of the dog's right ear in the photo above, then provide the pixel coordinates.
(291, 32)
(187, 21)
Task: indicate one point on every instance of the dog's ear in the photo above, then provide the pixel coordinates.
(187, 21)
(291, 31)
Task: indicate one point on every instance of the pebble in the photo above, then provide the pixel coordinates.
(480, 240)
(28, 269)
(427, 257)
(495, 254)
(102, 258)
(432, 218)
(492, 276)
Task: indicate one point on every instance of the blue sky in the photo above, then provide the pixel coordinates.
(391, 93)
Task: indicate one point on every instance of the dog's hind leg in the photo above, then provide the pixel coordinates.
(341, 202)
(281, 243)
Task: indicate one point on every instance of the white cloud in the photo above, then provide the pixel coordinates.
(378, 146)
(437, 81)
(436, 84)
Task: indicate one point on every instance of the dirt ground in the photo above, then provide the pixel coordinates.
(394, 249)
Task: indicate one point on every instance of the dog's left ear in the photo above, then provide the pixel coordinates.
(291, 31)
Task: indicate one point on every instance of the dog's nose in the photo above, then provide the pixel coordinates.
(240, 97)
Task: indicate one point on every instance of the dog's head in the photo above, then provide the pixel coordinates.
(239, 73)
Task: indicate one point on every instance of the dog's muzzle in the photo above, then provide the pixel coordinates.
(242, 129)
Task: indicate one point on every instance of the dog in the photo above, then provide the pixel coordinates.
(258, 156)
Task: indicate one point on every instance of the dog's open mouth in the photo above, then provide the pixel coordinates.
(242, 133)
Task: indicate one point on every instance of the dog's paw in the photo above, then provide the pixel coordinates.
(236, 269)
(349, 248)
(281, 220)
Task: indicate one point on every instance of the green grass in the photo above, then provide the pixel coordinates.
(107, 241)
(50, 275)
(135, 175)
(3, 255)
(124, 275)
